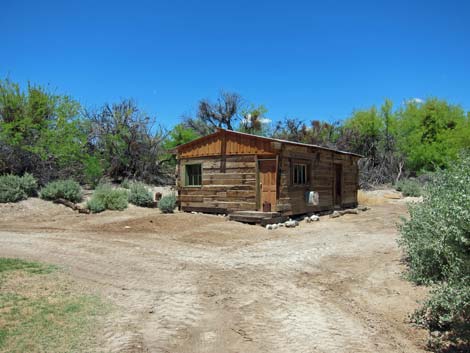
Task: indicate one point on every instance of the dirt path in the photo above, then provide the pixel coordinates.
(198, 283)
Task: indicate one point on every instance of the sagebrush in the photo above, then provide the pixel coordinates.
(140, 195)
(14, 188)
(106, 197)
(167, 203)
(62, 189)
(409, 187)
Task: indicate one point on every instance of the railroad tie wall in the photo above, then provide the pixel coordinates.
(228, 184)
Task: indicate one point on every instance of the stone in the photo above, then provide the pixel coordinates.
(335, 214)
(291, 224)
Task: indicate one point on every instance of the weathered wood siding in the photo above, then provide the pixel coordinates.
(350, 180)
(320, 164)
(227, 143)
(230, 174)
(228, 184)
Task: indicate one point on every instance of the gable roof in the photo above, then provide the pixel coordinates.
(261, 138)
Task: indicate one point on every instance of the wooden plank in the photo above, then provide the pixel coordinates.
(216, 210)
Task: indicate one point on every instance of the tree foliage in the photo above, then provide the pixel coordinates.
(128, 142)
(40, 132)
(224, 113)
(432, 134)
(254, 121)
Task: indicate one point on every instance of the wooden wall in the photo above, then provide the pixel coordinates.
(229, 174)
(228, 184)
(321, 179)
(350, 180)
(227, 143)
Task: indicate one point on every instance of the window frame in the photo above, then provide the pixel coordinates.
(187, 176)
(302, 178)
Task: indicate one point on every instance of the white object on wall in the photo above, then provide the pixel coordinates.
(312, 198)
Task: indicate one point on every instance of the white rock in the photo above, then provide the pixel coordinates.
(314, 218)
(335, 214)
(291, 224)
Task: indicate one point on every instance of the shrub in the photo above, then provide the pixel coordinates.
(167, 203)
(105, 197)
(62, 189)
(139, 195)
(436, 240)
(95, 205)
(29, 184)
(126, 184)
(409, 187)
(14, 188)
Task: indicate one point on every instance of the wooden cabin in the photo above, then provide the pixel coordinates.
(229, 171)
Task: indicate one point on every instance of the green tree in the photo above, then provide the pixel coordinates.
(254, 121)
(432, 134)
(40, 132)
(179, 135)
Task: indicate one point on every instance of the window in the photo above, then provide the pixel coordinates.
(193, 175)
(299, 174)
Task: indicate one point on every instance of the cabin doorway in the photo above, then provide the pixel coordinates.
(338, 185)
(267, 184)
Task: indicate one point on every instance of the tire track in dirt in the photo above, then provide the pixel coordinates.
(212, 287)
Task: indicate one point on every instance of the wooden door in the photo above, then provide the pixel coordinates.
(338, 185)
(267, 182)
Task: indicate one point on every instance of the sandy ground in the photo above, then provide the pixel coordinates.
(200, 283)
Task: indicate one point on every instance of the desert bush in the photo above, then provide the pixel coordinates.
(409, 187)
(14, 188)
(29, 184)
(167, 203)
(107, 198)
(447, 310)
(62, 189)
(436, 240)
(126, 183)
(95, 205)
(139, 195)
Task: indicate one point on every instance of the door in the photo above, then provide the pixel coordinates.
(338, 185)
(267, 182)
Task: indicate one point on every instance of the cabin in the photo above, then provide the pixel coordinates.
(233, 172)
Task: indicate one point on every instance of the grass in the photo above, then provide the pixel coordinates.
(41, 310)
(8, 264)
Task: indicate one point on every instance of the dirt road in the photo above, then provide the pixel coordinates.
(199, 283)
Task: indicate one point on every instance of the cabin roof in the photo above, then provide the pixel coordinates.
(220, 130)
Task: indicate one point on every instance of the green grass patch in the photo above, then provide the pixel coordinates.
(7, 264)
(42, 311)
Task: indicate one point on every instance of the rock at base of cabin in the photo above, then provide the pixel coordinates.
(363, 208)
(291, 224)
(348, 211)
(313, 218)
(335, 214)
(271, 226)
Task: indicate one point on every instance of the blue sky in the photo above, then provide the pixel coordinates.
(304, 59)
